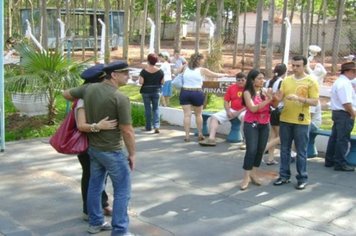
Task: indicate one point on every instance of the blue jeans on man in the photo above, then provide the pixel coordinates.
(300, 134)
(114, 163)
(338, 143)
(151, 104)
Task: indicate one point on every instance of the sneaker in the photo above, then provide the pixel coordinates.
(94, 229)
(271, 163)
(243, 146)
(301, 185)
(208, 142)
(156, 131)
(281, 181)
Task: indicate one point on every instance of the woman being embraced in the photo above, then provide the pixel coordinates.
(151, 79)
(256, 125)
(191, 95)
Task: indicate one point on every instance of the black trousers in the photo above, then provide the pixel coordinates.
(84, 160)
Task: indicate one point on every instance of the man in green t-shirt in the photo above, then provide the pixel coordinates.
(105, 146)
(298, 92)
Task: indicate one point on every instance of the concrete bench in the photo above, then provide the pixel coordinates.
(234, 135)
(313, 152)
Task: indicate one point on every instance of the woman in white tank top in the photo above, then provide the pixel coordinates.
(191, 95)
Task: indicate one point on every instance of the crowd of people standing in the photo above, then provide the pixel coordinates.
(277, 111)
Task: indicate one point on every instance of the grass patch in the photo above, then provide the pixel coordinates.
(18, 127)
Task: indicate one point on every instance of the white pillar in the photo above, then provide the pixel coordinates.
(211, 31)
(152, 35)
(287, 43)
(62, 34)
(102, 43)
(29, 35)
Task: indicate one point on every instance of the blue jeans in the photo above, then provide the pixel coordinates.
(114, 163)
(151, 103)
(300, 134)
(256, 137)
(339, 140)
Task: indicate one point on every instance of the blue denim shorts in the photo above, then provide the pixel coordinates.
(194, 98)
(167, 89)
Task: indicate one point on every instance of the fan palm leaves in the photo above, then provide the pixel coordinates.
(45, 72)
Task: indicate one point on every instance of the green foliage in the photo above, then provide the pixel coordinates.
(138, 115)
(44, 72)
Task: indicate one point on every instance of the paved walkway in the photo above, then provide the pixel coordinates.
(178, 189)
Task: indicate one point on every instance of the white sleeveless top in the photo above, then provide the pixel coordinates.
(192, 78)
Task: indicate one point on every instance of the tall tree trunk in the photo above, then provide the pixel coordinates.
(283, 30)
(336, 38)
(323, 34)
(164, 10)
(143, 33)
(8, 25)
(205, 12)
(306, 41)
(132, 20)
(311, 27)
(244, 37)
(84, 24)
(157, 45)
(301, 33)
(236, 30)
(177, 41)
(197, 26)
(95, 27)
(292, 11)
(44, 25)
(318, 23)
(107, 29)
(269, 51)
(257, 51)
(219, 20)
(125, 48)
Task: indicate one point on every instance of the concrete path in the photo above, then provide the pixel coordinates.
(178, 189)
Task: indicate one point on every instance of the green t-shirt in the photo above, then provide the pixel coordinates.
(102, 100)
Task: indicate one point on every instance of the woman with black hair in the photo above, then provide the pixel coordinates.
(256, 125)
(275, 83)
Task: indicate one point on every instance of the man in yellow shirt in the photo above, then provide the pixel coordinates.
(298, 92)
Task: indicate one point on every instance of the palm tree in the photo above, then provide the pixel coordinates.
(45, 72)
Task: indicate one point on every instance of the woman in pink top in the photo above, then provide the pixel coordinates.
(256, 125)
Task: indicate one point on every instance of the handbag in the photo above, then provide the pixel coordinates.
(178, 81)
(68, 139)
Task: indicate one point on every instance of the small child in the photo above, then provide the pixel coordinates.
(167, 86)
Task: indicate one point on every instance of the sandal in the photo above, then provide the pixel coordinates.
(273, 162)
(201, 138)
(208, 142)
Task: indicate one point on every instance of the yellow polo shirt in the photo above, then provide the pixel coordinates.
(306, 87)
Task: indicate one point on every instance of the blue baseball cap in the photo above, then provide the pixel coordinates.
(117, 66)
(93, 74)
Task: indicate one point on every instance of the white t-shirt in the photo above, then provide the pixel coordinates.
(166, 68)
(342, 93)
